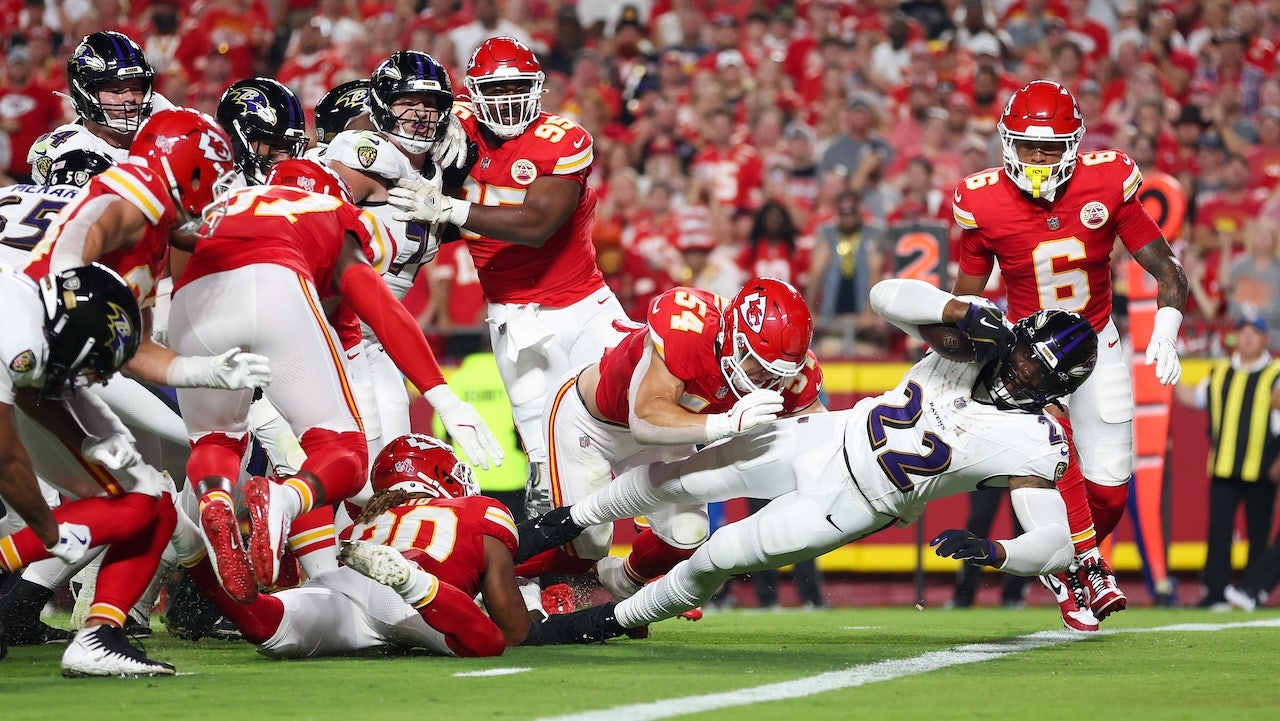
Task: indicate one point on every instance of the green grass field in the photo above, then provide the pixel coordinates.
(885, 664)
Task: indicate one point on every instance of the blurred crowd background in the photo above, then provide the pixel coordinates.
(814, 140)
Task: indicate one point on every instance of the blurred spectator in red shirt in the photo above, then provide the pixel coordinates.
(214, 76)
(240, 29)
(27, 110)
(1221, 220)
(703, 263)
(437, 18)
(1264, 156)
(732, 170)
(311, 67)
(1225, 66)
(1183, 153)
(489, 22)
(773, 249)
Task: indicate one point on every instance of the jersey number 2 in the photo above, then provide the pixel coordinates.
(898, 465)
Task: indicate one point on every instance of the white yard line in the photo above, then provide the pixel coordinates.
(869, 673)
(492, 672)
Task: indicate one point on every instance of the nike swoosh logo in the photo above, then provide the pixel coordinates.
(602, 301)
(79, 539)
(987, 322)
(352, 355)
(833, 523)
(1112, 344)
(578, 144)
(1054, 585)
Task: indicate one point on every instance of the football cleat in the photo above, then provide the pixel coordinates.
(1075, 615)
(1104, 596)
(693, 614)
(612, 571)
(269, 520)
(383, 564)
(545, 532)
(1240, 599)
(226, 551)
(106, 651)
(559, 598)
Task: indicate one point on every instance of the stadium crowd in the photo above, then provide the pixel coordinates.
(758, 137)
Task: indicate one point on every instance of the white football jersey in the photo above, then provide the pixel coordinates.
(75, 136)
(371, 152)
(23, 350)
(27, 210)
(928, 438)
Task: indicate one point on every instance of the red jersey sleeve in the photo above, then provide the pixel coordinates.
(803, 391)
(684, 323)
(497, 522)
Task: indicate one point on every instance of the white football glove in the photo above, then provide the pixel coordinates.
(74, 541)
(232, 370)
(1164, 354)
(115, 452)
(1163, 348)
(423, 202)
(451, 150)
(465, 427)
(756, 408)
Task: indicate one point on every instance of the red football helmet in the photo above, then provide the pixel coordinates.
(768, 321)
(419, 463)
(496, 62)
(1041, 110)
(310, 176)
(192, 153)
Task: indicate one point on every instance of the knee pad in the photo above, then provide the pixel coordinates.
(684, 529)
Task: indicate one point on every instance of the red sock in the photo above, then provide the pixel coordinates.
(1107, 504)
(258, 620)
(557, 560)
(216, 454)
(128, 565)
(651, 557)
(312, 533)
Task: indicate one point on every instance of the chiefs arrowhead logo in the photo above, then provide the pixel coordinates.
(752, 311)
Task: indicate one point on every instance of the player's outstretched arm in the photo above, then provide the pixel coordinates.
(548, 202)
(18, 481)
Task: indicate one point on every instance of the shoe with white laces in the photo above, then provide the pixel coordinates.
(1104, 596)
(106, 651)
(270, 513)
(612, 571)
(226, 549)
(1075, 615)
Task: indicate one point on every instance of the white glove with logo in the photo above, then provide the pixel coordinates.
(754, 409)
(115, 452)
(74, 541)
(423, 202)
(465, 427)
(1163, 348)
(232, 370)
(451, 150)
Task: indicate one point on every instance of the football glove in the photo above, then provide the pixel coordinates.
(965, 546)
(985, 326)
(231, 370)
(115, 452)
(754, 409)
(465, 427)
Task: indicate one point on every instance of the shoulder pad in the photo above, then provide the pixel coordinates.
(369, 152)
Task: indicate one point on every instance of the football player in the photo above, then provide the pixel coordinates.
(424, 547)
(306, 247)
(409, 99)
(1049, 218)
(703, 368)
(76, 328)
(111, 86)
(837, 477)
(265, 122)
(338, 107)
(526, 213)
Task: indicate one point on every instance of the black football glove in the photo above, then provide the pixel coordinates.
(985, 326)
(965, 546)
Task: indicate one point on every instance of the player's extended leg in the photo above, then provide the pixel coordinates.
(792, 527)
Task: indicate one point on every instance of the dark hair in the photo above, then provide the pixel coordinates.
(758, 232)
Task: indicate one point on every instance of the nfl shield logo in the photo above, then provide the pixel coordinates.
(1053, 222)
(584, 441)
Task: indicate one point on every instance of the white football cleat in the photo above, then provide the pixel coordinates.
(270, 513)
(383, 564)
(1075, 615)
(105, 651)
(612, 571)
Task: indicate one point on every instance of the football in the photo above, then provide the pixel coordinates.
(948, 341)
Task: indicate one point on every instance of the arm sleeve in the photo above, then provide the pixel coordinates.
(373, 302)
(909, 304)
(1045, 546)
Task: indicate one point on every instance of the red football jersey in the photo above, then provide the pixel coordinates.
(285, 226)
(562, 271)
(684, 324)
(140, 265)
(1054, 255)
(444, 536)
